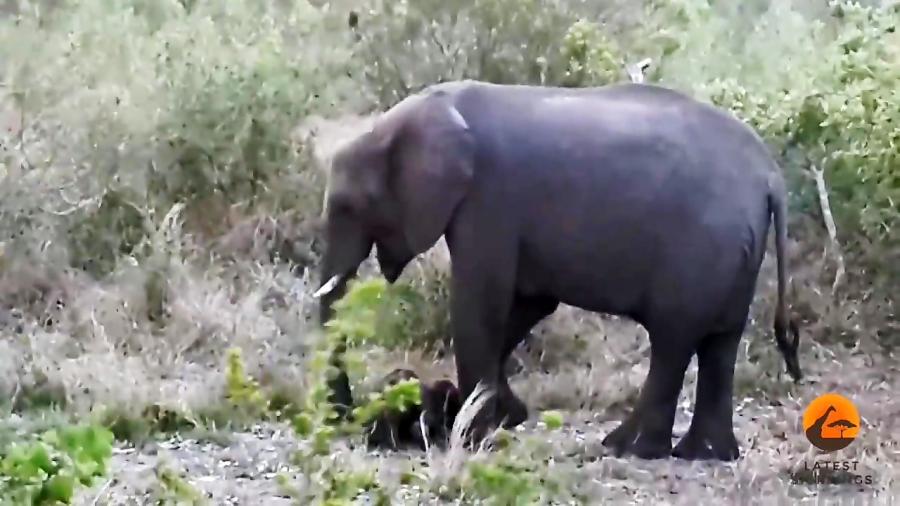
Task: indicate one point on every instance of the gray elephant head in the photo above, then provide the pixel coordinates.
(395, 187)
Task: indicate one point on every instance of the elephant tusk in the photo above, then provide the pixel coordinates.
(328, 287)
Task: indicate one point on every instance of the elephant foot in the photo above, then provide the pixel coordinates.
(511, 411)
(714, 444)
(479, 428)
(631, 438)
(507, 411)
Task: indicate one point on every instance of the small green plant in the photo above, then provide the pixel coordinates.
(139, 426)
(48, 470)
(373, 312)
(396, 398)
(370, 313)
(504, 483)
(173, 487)
(330, 481)
(514, 472)
(552, 419)
(243, 392)
(342, 487)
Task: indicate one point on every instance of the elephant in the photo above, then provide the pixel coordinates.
(627, 199)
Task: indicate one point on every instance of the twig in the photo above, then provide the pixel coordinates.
(819, 175)
(15, 395)
(101, 492)
(75, 206)
(21, 136)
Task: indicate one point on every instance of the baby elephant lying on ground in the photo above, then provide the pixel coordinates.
(433, 419)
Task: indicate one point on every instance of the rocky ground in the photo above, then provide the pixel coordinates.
(241, 468)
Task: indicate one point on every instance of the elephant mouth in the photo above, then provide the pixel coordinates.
(391, 272)
(390, 264)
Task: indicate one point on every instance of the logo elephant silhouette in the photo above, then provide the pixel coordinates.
(831, 422)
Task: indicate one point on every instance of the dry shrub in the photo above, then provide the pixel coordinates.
(105, 351)
(400, 47)
(194, 106)
(34, 290)
(289, 237)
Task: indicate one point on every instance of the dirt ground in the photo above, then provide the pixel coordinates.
(242, 468)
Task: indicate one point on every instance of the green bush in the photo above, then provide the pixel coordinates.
(591, 58)
(173, 487)
(504, 483)
(242, 391)
(48, 470)
(516, 471)
(371, 314)
(131, 107)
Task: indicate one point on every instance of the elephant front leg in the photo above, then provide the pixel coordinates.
(647, 433)
(479, 313)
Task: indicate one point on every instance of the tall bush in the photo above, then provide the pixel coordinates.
(820, 84)
(131, 107)
(823, 93)
(403, 46)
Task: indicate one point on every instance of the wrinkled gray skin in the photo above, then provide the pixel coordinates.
(629, 199)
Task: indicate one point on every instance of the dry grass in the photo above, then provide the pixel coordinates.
(104, 351)
(100, 349)
(767, 425)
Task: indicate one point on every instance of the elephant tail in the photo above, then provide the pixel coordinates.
(783, 323)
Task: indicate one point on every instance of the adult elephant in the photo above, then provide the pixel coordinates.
(627, 199)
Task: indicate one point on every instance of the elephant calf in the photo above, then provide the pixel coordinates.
(628, 199)
(429, 423)
(432, 421)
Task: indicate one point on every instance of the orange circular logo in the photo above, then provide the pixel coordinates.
(831, 422)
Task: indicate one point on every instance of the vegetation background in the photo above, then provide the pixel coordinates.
(162, 167)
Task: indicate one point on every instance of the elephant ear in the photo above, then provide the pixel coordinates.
(432, 168)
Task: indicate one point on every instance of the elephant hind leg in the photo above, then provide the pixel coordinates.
(711, 434)
(525, 313)
(647, 432)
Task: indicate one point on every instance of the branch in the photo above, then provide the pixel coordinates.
(636, 70)
(819, 175)
(21, 136)
(101, 492)
(15, 395)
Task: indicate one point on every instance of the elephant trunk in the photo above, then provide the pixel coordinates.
(346, 248)
(331, 290)
(344, 253)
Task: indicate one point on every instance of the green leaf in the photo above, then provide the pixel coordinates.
(61, 488)
(553, 419)
(303, 425)
(39, 458)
